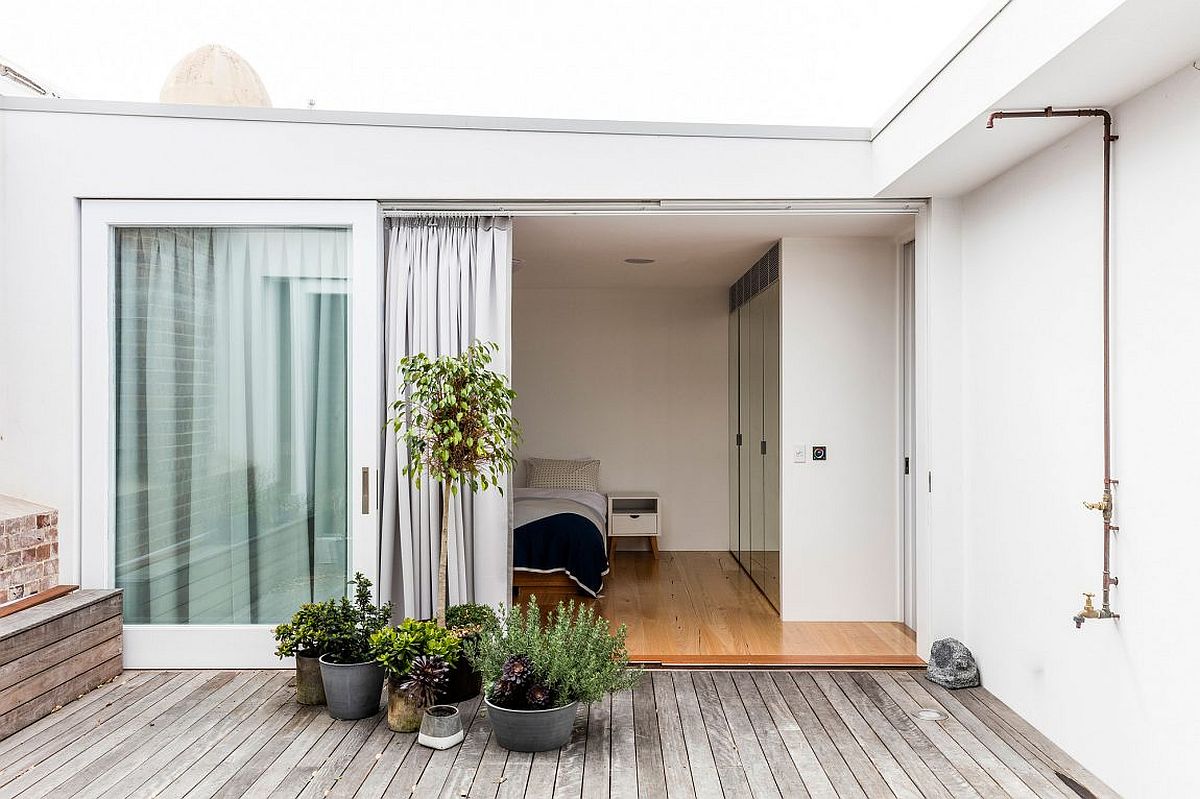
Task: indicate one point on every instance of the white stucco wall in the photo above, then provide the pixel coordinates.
(54, 155)
(839, 387)
(639, 379)
(1120, 696)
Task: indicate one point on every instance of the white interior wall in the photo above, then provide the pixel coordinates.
(1120, 696)
(839, 387)
(638, 378)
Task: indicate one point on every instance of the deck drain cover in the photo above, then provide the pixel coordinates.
(929, 714)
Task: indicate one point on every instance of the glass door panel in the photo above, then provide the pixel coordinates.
(230, 437)
(230, 469)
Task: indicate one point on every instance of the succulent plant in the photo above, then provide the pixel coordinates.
(538, 696)
(517, 670)
(426, 678)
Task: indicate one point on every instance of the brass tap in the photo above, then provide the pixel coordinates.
(1089, 610)
(1105, 505)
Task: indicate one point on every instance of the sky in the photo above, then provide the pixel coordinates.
(782, 62)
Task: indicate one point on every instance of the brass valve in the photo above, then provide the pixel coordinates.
(1105, 505)
(1089, 610)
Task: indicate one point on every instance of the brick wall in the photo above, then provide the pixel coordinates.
(28, 548)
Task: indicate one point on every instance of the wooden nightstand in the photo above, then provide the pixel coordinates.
(633, 514)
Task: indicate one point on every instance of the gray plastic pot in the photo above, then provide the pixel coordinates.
(352, 690)
(532, 730)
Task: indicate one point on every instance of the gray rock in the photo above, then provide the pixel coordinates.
(951, 665)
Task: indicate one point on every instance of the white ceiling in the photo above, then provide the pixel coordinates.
(689, 250)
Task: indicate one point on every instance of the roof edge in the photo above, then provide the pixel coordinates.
(47, 105)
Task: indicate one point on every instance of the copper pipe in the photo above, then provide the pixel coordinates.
(1105, 504)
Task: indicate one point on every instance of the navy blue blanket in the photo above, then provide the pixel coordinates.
(563, 542)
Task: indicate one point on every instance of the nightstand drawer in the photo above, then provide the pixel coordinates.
(634, 524)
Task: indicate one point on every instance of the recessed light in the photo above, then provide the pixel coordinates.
(639, 261)
(929, 714)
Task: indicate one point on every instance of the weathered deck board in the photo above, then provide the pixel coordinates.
(702, 734)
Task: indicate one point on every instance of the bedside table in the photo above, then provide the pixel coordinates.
(633, 514)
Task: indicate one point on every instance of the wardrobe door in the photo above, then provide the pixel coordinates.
(757, 440)
(735, 546)
(749, 443)
(770, 555)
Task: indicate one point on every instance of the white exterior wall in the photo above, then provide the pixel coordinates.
(638, 378)
(52, 158)
(839, 386)
(1120, 696)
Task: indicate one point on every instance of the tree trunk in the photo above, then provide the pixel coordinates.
(443, 558)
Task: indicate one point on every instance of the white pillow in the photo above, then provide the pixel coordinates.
(579, 475)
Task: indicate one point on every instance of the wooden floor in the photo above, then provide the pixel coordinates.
(777, 733)
(693, 608)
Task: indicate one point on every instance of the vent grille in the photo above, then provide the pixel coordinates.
(757, 279)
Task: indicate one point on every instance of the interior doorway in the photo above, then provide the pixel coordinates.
(621, 357)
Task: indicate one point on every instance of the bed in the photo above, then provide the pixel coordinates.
(559, 541)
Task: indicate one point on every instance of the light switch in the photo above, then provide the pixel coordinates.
(800, 453)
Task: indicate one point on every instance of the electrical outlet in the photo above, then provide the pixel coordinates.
(820, 452)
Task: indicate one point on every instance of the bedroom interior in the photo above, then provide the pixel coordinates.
(642, 348)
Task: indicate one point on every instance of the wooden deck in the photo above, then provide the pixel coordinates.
(679, 734)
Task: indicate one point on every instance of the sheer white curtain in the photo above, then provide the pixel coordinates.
(229, 402)
(447, 283)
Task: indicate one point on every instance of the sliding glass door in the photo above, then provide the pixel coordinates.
(241, 358)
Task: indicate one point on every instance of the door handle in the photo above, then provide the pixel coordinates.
(366, 490)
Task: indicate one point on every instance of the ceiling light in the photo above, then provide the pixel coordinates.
(639, 261)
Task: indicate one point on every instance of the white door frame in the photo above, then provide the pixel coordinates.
(241, 646)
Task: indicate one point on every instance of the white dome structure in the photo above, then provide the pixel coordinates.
(214, 75)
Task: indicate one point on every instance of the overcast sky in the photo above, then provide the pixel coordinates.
(801, 62)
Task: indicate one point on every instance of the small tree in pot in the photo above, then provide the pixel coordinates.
(353, 680)
(536, 674)
(454, 415)
(306, 637)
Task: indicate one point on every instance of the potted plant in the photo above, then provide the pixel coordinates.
(352, 678)
(306, 638)
(466, 622)
(416, 657)
(454, 416)
(536, 674)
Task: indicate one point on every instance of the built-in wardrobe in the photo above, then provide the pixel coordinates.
(754, 457)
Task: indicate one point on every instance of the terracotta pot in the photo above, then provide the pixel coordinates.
(310, 689)
(403, 714)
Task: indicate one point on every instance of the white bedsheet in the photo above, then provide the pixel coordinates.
(596, 502)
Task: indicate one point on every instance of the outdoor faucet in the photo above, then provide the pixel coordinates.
(1089, 610)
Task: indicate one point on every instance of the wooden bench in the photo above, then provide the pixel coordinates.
(55, 651)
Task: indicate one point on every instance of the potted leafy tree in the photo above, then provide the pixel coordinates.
(536, 674)
(416, 656)
(466, 622)
(352, 678)
(306, 637)
(454, 415)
